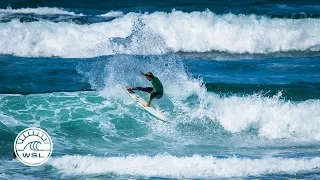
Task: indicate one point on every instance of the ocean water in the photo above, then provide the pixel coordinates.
(241, 81)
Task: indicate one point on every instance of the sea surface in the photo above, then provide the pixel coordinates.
(241, 82)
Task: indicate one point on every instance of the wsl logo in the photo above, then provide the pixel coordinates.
(33, 146)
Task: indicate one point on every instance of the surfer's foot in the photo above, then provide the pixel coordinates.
(147, 105)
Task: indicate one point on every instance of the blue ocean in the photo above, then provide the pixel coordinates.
(241, 88)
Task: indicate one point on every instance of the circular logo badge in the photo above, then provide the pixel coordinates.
(33, 146)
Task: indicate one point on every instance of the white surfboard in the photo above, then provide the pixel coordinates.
(142, 103)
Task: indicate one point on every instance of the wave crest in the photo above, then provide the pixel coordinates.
(170, 32)
(195, 166)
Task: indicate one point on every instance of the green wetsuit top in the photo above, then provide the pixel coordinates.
(157, 85)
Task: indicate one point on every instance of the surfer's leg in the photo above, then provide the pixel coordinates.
(145, 89)
(154, 95)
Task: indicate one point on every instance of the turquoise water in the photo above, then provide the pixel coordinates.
(241, 87)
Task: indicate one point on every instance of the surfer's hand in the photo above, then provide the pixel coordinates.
(142, 73)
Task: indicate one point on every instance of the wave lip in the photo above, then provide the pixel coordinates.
(195, 166)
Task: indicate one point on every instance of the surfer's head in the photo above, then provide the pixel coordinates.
(149, 75)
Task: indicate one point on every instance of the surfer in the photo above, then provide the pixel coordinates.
(156, 91)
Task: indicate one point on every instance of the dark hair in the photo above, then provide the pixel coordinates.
(149, 74)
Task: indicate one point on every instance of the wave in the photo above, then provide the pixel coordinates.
(112, 14)
(39, 11)
(296, 91)
(271, 8)
(195, 118)
(160, 33)
(170, 166)
(272, 118)
(187, 100)
(196, 113)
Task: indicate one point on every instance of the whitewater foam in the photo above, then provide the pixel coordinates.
(269, 117)
(113, 14)
(195, 166)
(39, 11)
(159, 33)
(9, 121)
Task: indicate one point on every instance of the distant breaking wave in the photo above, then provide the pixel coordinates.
(159, 33)
(195, 166)
(39, 11)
